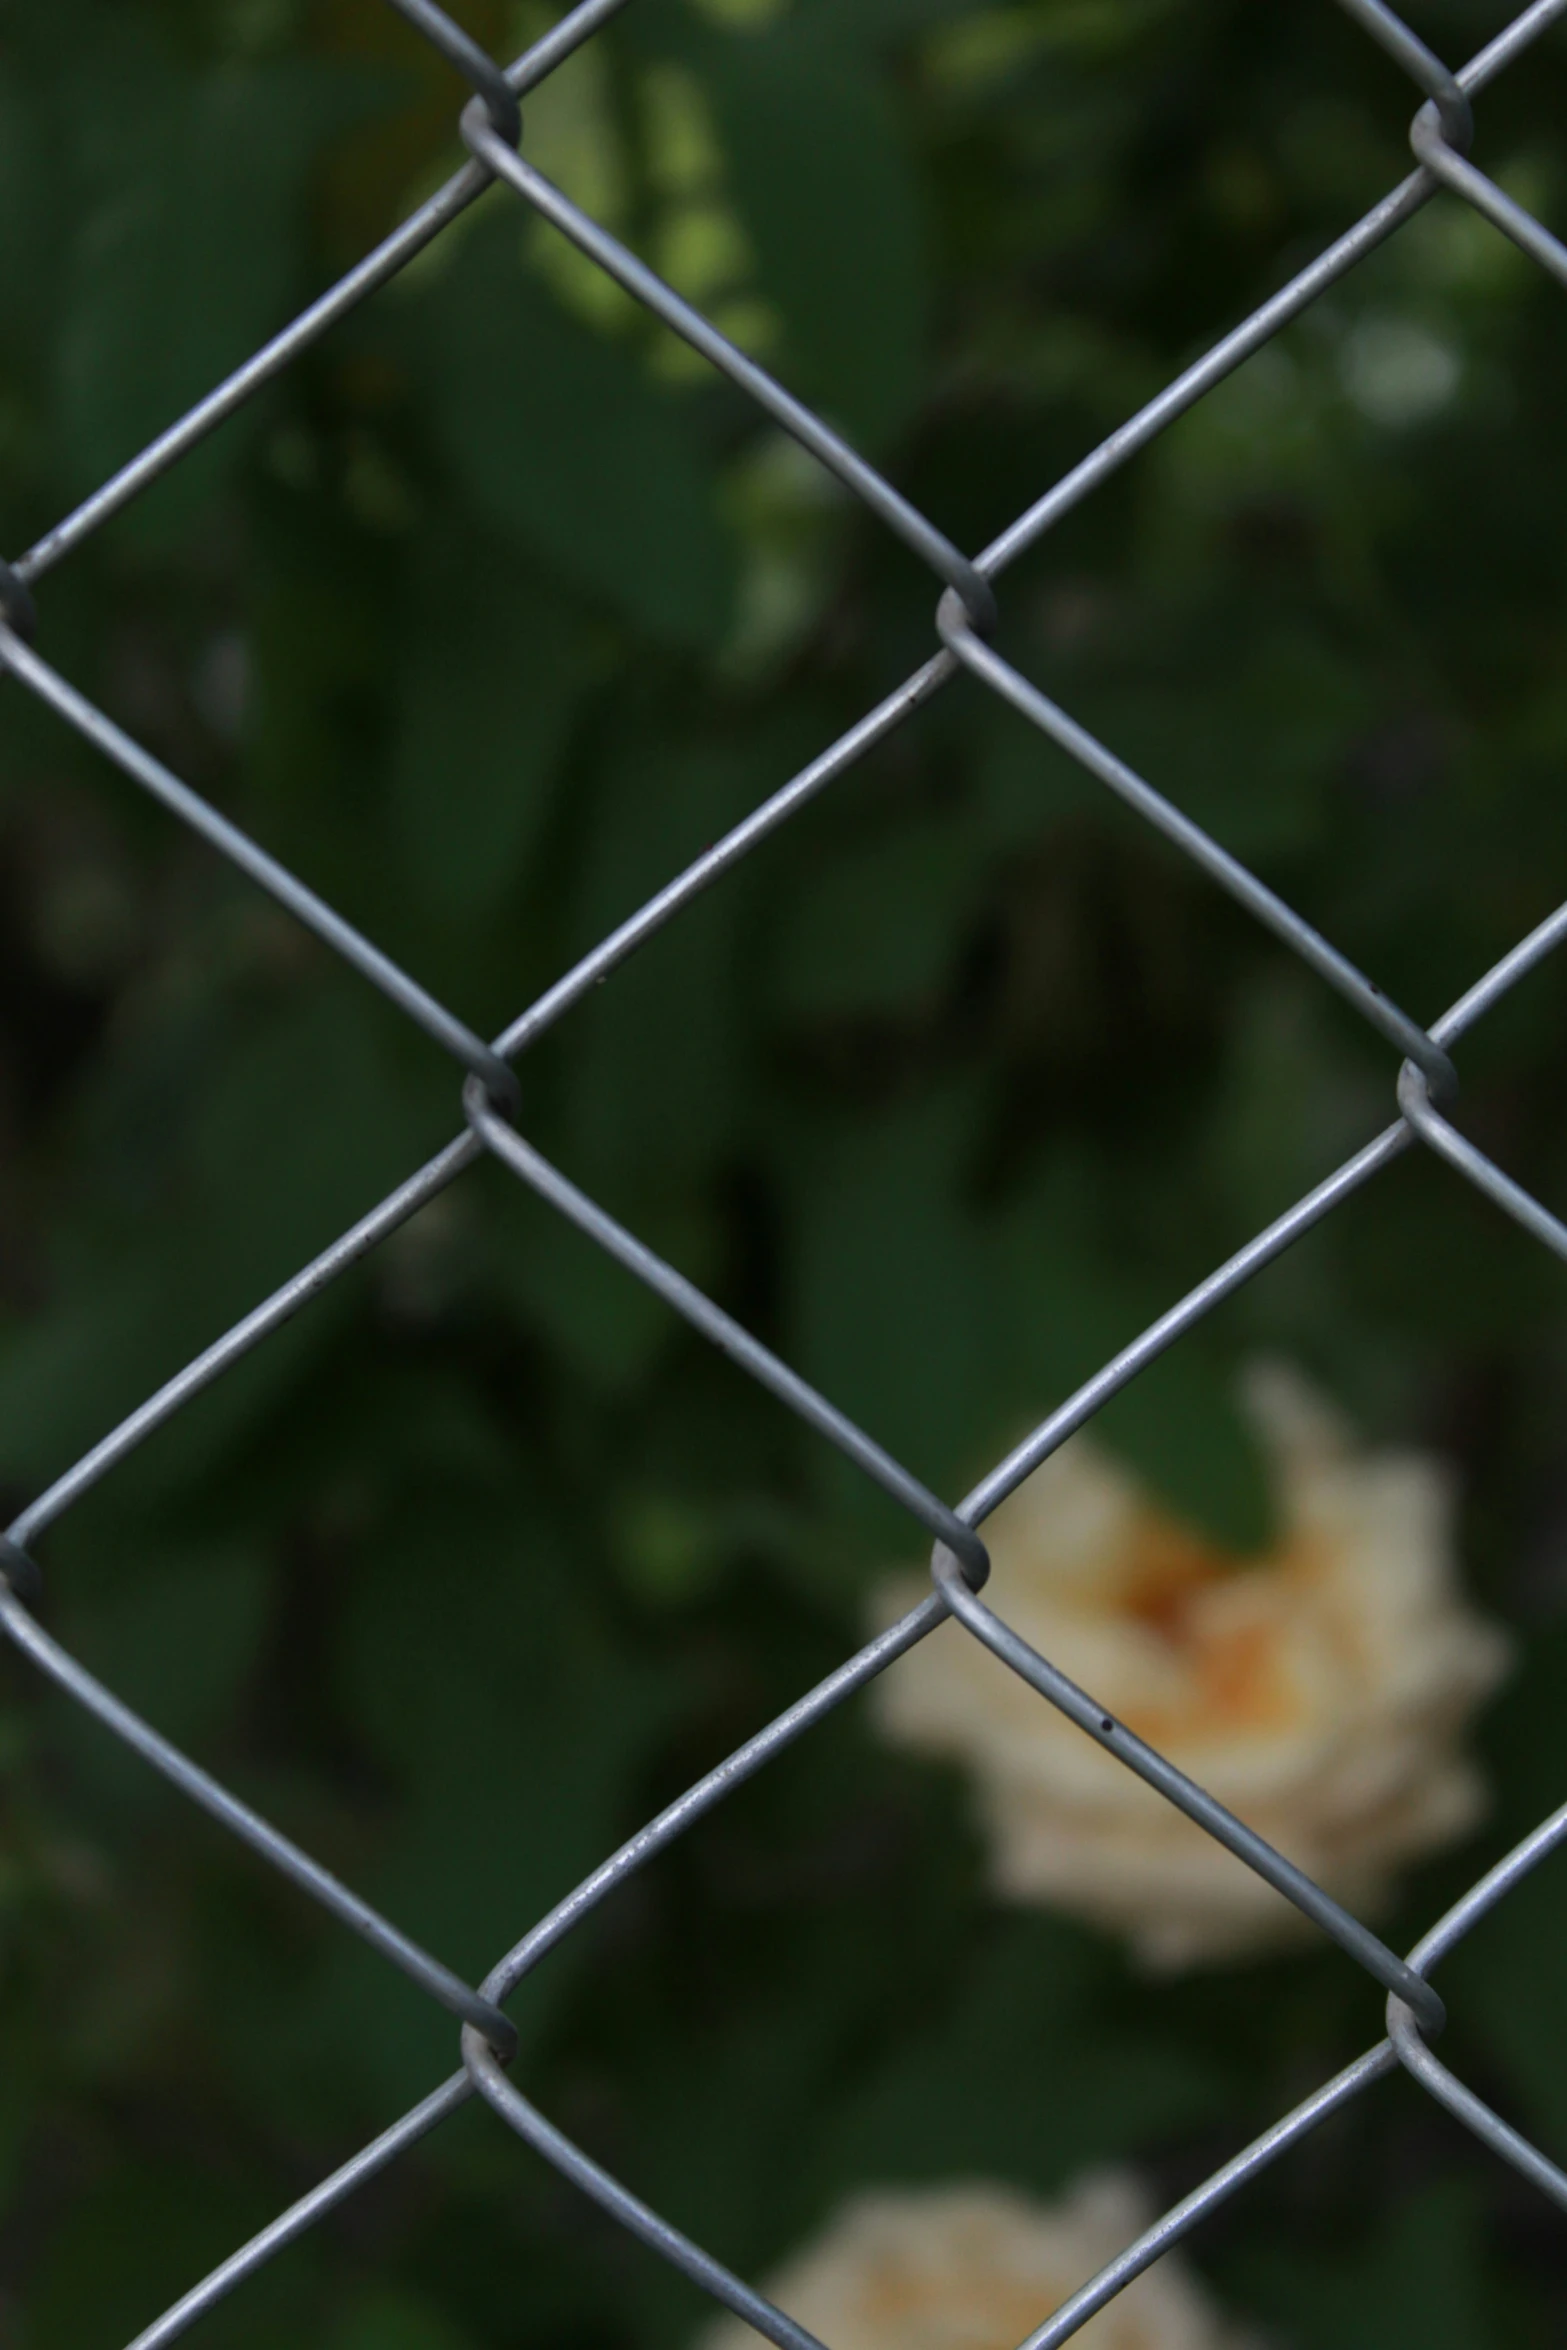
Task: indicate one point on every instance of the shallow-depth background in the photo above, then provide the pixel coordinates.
(486, 619)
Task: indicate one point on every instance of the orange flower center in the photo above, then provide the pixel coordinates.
(1234, 1669)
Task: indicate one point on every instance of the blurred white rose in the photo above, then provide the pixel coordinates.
(1318, 1692)
(978, 2268)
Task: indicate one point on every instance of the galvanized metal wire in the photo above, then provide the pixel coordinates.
(1425, 1083)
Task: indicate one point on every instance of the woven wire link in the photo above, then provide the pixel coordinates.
(966, 620)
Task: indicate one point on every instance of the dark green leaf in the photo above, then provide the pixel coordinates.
(821, 181)
(1420, 2286)
(876, 931)
(558, 434)
(186, 257)
(1023, 2082)
(514, 1725)
(173, 1628)
(496, 666)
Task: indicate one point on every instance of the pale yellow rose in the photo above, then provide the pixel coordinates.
(978, 2267)
(1319, 1692)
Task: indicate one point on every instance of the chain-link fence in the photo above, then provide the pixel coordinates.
(494, 1107)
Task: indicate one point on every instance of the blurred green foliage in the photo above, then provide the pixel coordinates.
(487, 617)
